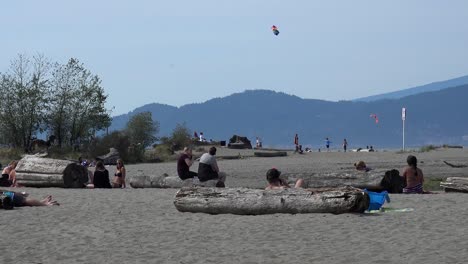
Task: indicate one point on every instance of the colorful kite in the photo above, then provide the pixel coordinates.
(375, 118)
(275, 30)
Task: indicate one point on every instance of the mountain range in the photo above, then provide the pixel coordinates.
(436, 86)
(433, 117)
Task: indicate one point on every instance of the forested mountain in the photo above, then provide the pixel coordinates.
(436, 86)
(438, 117)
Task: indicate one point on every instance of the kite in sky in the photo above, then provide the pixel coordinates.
(375, 118)
(275, 30)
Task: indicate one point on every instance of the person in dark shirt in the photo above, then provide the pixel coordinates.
(183, 165)
(101, 176)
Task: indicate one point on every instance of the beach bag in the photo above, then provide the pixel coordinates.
(392, 182)
(377, 200)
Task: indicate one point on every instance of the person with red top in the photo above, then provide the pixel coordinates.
(184, 163)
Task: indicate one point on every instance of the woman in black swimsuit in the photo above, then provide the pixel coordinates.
(119, 175)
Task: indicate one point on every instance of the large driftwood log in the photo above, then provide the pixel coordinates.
(354, 178)
(165, 181)
(243, 201)
(455, 184)
(34, 171)
(270, 154)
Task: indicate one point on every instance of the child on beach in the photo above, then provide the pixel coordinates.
(276, 183)
(413, 176)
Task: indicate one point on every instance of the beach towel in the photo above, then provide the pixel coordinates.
(415, 189)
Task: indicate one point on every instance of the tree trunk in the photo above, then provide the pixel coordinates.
(165, 181)
(33, 171)
(455, 184)
(354, 178)
(243, 201)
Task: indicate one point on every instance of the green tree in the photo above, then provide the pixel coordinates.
(142, 130)
(77, 103)
(23, 93)
(180, 136)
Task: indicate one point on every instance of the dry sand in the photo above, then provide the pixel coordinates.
(143, 226)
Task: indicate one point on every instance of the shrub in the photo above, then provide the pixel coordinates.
(427, 148)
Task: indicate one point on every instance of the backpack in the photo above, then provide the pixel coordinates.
(392, 182)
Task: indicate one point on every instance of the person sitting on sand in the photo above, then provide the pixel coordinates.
(119, 175)
(17, 199)
(413, 176)
(361, 166)
(208, 168)
(101, 177)
(183, 164)
(276, 183)
(9, 175)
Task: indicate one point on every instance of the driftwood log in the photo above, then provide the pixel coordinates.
(454, 165)
(110, 158)
(270, 154)
(166, 181)
(455, 184)
(354, 178)
(243, 201)
(34, 171)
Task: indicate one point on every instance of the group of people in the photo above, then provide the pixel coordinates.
(412, 179)
(207, 168)
(100, 178)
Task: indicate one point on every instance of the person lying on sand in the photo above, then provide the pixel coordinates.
(16, 199)
(276, 183)
(413, 176)
(361, 166)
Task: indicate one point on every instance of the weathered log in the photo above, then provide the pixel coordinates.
(243, 201)
(271, 154)
(359, 179)
(110, 158)
(455, 184)
(35, 164)
(75, 176)
(166, 181)
(34, 171)
(455, 166)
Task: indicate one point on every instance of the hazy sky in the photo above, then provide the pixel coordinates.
(179, 52)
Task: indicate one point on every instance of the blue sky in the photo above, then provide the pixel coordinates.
(179, 52)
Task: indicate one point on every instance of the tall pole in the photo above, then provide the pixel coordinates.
(403, 135)
(403, 118)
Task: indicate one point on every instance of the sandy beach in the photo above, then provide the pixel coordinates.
(143, 226)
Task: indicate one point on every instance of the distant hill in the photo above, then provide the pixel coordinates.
(436, 86)
(432, 118)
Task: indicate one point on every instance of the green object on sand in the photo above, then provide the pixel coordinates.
(391, 210)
